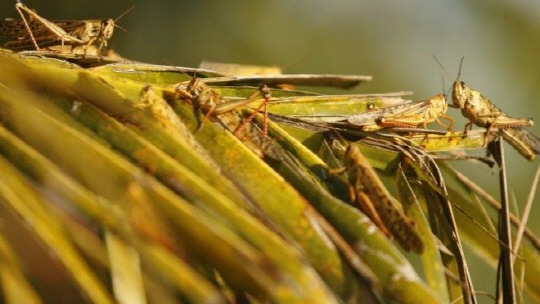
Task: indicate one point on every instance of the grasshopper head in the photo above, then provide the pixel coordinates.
(460, 94)
(107, 29)
(440, 104)
(195, 86)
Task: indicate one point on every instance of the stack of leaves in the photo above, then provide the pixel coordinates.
(115, 189)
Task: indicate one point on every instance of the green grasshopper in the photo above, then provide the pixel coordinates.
(408, 115)
(41, 33)
(369, 193)
(213, 105)
(482, 112)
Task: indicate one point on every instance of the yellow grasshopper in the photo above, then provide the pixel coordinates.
(369, 193)
(408, 115)
(209, 102)
(41, 33)
(482, 112)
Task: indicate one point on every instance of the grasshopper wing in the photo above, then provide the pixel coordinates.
(408, 114)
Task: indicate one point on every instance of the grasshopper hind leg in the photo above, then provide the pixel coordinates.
(17, 7)
(448, 127)
(206, 116)
(264, 90)
(467, 128)
(367, 206)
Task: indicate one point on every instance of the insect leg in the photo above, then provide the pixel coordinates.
(265, 92)
(412, 122)
(366, 205)
(249, 119)
(493, 124)
(467, 128)
(352, 195)
(206, 116)
(449, 119)
(18, 8)
(89, 44)
(337, 170)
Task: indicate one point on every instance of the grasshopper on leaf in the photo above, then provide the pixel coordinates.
(41, 33)
(369, 193)
(409, 115)
(209, 102)
(482, 112)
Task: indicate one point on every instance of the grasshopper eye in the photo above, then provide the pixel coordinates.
(370, 106)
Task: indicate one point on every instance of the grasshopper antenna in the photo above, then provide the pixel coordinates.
(296, 62)
(124, 13)
(123, 29)
(191, 78)
(444, 89)
(167, 61)
(447, 74)
(460, 64)
(443, 86)
(442, 67)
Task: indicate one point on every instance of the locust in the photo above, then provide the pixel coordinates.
(409, 115)
(406, 115)
(369, 193)
(482, 112)
(210, 102)
(40, 33)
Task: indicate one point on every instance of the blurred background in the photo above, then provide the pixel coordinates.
(392, 41)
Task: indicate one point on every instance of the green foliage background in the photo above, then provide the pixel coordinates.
(392, 41)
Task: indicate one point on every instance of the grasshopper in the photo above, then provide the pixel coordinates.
(482, 112)
(41, 33)
(213, 105)
(409, 115)
(367, 187)
(369, 193)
